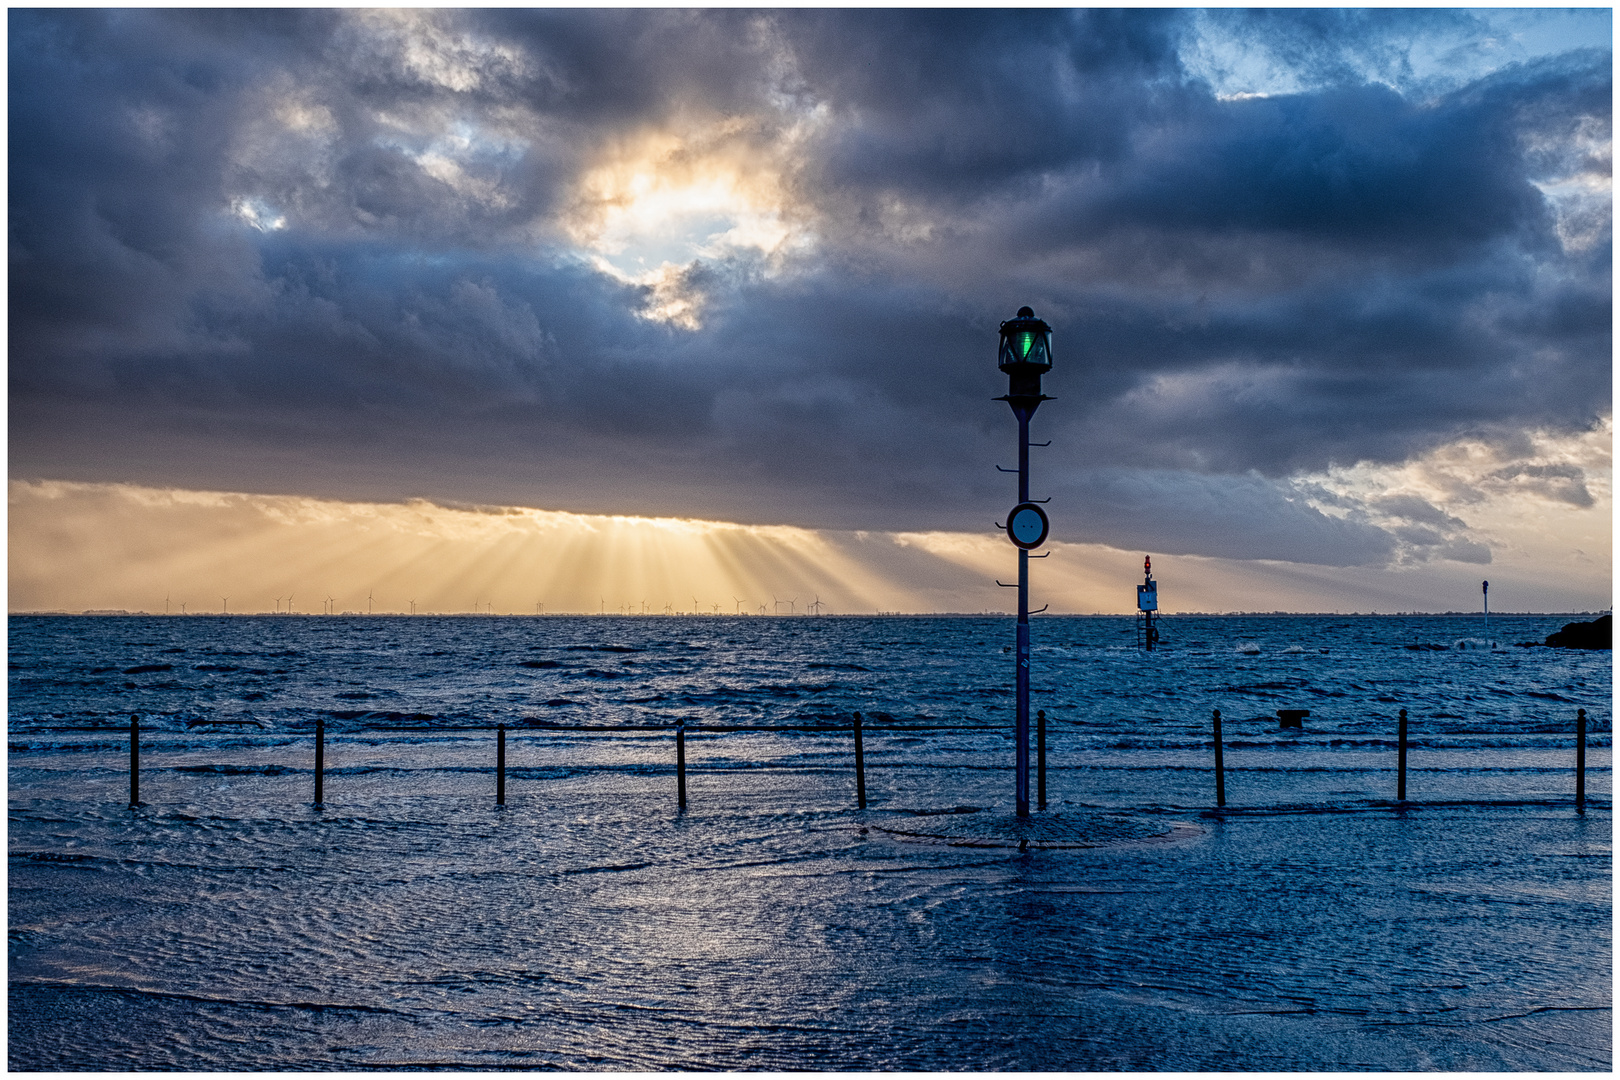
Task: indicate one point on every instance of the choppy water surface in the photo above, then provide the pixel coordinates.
(229, 924)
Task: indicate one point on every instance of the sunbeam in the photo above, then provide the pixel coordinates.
(77, 547)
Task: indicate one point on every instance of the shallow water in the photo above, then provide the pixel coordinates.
(229, 924)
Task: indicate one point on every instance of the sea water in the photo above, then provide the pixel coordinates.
(409, 922)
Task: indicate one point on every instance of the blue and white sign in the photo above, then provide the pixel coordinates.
(1027, 526)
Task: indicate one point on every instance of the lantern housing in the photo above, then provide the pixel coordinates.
(1026, 354)
(1026, 342)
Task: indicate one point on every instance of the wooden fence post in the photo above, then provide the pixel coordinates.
(680, 762)
(1580, 758)
(134, 761)
(1400, 761)
(320, 759)
(500, 765)
(860, 766)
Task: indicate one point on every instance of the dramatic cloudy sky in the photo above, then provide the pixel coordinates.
(1331, 295)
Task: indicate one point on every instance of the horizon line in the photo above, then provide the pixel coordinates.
(113, 613)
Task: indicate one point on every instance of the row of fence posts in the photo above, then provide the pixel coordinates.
(860, 761)
(1400, 760)
(680, 762)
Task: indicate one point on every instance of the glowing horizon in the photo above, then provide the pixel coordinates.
(78, 546)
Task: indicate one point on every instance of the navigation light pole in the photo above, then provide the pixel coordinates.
(1025, 355)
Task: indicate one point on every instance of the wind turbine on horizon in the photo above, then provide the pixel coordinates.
(413, 606)
(224, 605)
(368, 601)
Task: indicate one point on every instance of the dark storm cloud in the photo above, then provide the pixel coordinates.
(1561, 483)
(1241, 517)
(242, 257)
(962, 105)
(1413, 508)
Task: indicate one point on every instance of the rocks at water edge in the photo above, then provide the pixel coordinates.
(1598, 634)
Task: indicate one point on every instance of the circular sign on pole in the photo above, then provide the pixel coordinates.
(1027, 526)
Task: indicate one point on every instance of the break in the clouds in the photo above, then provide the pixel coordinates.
(748, 266)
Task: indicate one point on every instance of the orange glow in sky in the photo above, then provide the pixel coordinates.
(77, 547)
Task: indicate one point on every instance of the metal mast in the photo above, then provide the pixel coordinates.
(1025, 355)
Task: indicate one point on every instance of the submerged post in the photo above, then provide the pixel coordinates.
(1040, 759)
(1220, 764)
(1580, 758)
(134, 761)
(500, 764)
(1147, 607)
(680, 762)
(1400, 761)
(320, 758)
(860, 766)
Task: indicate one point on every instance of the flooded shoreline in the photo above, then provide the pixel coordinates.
(589, 924)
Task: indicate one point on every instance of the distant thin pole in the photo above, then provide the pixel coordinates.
(1580, 758)
(134, 761)
(1220, 764)
(1485, 594)
(500, 765)
(860, 766)
(1400, 760)
(320, 758)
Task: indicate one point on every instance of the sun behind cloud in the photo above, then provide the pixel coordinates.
(657, 201)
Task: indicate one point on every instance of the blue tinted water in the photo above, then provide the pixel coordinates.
(229, 924)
